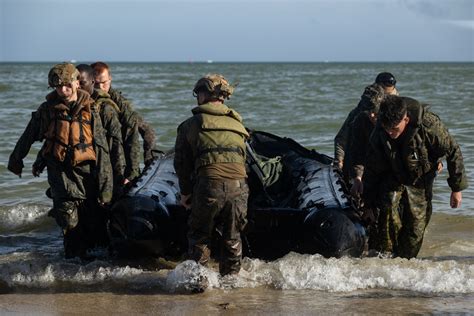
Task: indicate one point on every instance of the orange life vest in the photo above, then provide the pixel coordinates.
(69, 135)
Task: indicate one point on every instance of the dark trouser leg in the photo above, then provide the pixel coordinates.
(66, 214)
(234, 218)
(416, 215)
(205, 207)
(94, 223)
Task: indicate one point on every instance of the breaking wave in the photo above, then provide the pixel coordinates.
(292, 272)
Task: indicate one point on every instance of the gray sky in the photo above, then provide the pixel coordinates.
(237, 30)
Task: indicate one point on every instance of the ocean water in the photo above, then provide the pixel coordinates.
(307, 102)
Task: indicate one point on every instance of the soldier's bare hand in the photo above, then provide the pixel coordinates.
(186, 201)
(456, 198)
(440, 166)
(125, 181)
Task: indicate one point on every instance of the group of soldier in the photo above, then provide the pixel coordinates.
(389, 148)
(91, 150)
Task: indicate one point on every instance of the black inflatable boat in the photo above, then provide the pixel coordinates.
(298, 202)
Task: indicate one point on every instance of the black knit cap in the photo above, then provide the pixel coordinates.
(386, 79)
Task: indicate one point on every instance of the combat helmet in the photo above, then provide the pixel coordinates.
(62, 74)
(217, 86)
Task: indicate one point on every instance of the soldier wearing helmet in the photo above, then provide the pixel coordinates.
(210, 164)
(76, 156)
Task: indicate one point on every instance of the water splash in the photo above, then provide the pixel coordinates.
(292, 272)
(21, 217)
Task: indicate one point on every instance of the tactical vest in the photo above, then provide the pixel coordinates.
(221, 136)
(69, 137)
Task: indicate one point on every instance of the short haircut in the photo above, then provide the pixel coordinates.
(99, 67)
(84, 68)
(392, 110)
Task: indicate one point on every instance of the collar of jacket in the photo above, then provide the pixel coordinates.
(216, 108)
(99, 93)
(84, 101)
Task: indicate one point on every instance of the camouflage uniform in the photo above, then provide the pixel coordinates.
(358, 144)
(146, 131)
(108, 111)
(398, 178)
(213, 137)
(75, 189)
(373, 94)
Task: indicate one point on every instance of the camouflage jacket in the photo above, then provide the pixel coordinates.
(144, 129)
(131, 142)
(342, 137)
(84, 181)
(358, 145)
(412, 158)
(109, 114)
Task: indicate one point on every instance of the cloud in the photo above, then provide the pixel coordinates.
(446, 10)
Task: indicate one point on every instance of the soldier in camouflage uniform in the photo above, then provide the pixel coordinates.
(359, 134)
(109, 114)
(400, 168)
(341, 141)
(210, 164)
(76, 155)
(129, 118)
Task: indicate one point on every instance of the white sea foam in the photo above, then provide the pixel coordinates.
(21, 215)
(296, 271)
(293, 272)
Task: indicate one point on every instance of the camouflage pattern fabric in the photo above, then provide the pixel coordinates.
(62, 74)
(71, 186)
(132, 125)
(358, 145)
(221, 204)
(399, 175)
(67, 182)
(370, 99)
(109, 114)
(342, 136)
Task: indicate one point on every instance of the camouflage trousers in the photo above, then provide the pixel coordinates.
(83, 223)
(218, 205)
(403, 216)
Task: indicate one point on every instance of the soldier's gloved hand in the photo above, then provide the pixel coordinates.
(15, 166)
(456, 198)
(186, 201)
(357, 187)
